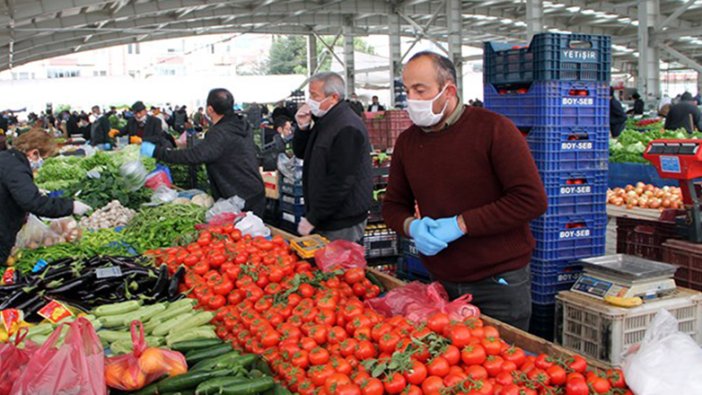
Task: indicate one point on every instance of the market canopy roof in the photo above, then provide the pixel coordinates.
(40, 29)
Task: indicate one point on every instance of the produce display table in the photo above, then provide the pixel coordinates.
(635, 213)
(509, 333)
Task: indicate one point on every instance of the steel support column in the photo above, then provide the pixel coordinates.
(649, 80)
(699, 84)
(349, 64)
(535, 17)
(394, 39)
(455, 41)
(311, 54)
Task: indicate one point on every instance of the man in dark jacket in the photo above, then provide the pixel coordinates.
(147, 127)
(336, 178)
(617, 116)
(278, 144)
(100, 129)
(638, 104)
(375, 105)
(228, 152)
(684, 114)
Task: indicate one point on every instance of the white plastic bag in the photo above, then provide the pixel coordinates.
(290, 167)
(252, 225)
(665, 362)
(233, 205)
(164, 194)
(35, 234)
(134, 174)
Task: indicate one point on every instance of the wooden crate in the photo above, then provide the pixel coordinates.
(509, 333)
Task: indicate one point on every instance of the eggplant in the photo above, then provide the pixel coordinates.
(15, 299)
(72, 285)
(175, 282)
(160, 288)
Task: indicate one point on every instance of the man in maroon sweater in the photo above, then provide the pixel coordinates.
(476, 186)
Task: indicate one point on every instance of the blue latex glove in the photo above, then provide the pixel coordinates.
(147, 149)
(425, 242)
(447, 229)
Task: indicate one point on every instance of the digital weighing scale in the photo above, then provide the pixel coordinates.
(625, 276)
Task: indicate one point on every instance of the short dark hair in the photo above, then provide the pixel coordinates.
(636, 96)
(280, 122)
(445, 69)
(221, 101)
(374, 97)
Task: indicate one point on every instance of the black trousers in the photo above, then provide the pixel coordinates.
(505, 297)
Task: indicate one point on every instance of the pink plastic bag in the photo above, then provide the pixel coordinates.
(76, 367)
(13, 360)
(417, 302)
(143, 365)
(340, 254)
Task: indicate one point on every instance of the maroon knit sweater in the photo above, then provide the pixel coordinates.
(479, 167)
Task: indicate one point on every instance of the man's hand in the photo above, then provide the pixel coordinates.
(147, 149)
(447, 230)
(303, 117)
(305, 227)
(426, 243)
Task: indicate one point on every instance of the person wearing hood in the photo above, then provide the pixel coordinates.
(684, 114)
(476, 188)
(18, 193)
(337, 178)
(147, 127)
(228, 153)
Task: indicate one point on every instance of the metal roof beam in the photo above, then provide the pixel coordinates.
(672, 17)
(691, 63)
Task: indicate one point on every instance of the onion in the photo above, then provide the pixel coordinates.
(666, 203)
(629, 188)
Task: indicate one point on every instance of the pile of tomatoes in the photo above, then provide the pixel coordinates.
(320, 338)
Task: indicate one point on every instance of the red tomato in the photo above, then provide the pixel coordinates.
(438, 367)
(432, 385)
(417, 373)
(577, 387)
(395, 383)
(473, 354)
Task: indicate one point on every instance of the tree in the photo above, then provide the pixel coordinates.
(288, 54)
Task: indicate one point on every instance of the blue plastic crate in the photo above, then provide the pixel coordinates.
(574, 57)
(574, 183)
(549, 56)
(296, 209)
(576, 204)
(551, 103)
(574, 160)
(549, 278)
(505, 63)
(292, 199)
(568, 139)
(542, 321)
(291, 187)
(569, 237)
(407, 247)
(410, 267)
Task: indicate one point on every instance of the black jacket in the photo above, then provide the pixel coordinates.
(99, 131)
(3, 123)
(336, 179)
(617, 117)
(270, 152)
(229, 154)
(19, 196)
(380, 107)
(638, 107)
(679, 117)
(152, 132)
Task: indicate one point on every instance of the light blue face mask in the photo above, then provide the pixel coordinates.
(36, 165)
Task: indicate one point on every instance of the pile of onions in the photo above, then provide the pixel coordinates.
(645, 196)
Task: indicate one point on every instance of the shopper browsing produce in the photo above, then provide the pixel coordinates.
(477, 187)
(336, 176)
(147, 127)
(684, 114)
(18, 193)
(227, 151)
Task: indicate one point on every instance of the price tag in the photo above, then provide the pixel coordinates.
(8, 278)
(55, 312)
(11, 319)
(109, 272)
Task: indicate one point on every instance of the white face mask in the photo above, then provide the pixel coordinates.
(421, 112)
(142, 119)
(35, 165)
(314, 107)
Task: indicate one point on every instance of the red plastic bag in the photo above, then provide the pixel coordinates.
(417, 302)
(76, 367)
(13, 360)
(144, 365)
(340, 254)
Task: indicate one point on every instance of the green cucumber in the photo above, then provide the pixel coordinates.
(196, 356)
(41, 329)
(172, 313)
(38, 339)
(111, 321)
(195, 345)
(190, 380)
(249, 387)
(216, 386)
(113, 336)
(198, 319)
(165, 327)
(193, 334)
(231, 360)
(117, 308)
(143, 314)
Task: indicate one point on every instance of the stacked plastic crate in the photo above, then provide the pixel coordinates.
(556, 91)
(379, 240)
(292, 202)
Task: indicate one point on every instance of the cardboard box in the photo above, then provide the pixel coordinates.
(271, 180)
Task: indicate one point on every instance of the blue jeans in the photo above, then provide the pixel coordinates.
(505, 297)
